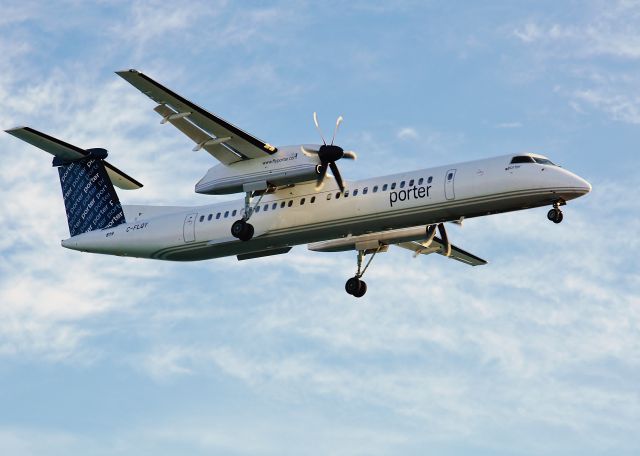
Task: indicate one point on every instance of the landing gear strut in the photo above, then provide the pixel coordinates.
(555, 214)
(242, 229)
(355, 286)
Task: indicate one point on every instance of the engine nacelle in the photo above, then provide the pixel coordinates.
(288, 166)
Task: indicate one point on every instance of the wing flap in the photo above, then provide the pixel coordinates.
(437, 246)
(198, 136)
(245, 144)
(66, 151)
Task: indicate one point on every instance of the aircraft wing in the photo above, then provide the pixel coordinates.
(437, 246)
(66, 151)
(224, 141)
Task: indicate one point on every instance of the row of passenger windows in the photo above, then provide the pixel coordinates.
(257, 209)
(384, 188)
(303, 200)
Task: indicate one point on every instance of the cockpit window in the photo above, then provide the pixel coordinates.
(544, 161)
(522, 159)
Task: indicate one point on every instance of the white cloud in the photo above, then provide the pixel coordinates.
(590, 50)
(619, 106)
(609, 29)
(407, 134)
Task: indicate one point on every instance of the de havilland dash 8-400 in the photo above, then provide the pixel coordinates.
(288, 198)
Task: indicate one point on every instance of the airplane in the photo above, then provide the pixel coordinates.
(289, 199)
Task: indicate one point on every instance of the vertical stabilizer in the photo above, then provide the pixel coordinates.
(90, 200)
(87, 181)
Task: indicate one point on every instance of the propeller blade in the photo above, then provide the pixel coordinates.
(336, 174)
(321, 175)
(351, 155)
(445, 239)
(315, 121)
(335, 130)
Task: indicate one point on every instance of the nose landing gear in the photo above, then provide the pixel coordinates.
(555, 214)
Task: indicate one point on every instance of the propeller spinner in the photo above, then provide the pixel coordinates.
(328, 155)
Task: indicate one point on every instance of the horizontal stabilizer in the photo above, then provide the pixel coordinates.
(66, 152)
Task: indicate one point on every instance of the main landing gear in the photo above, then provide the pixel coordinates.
(242, 229)
(355, 286)
(555, 214)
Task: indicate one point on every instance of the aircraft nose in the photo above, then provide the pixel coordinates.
(582, 184)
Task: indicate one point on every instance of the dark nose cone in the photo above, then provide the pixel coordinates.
(330, 153)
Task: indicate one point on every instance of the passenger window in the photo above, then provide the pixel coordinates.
(430, 179)
(375, 188)
(338, 195)
(384, 187)
(235, 211)
(257, 209)
(218, 215)
(450, 176)
(346, 193)
(313, 199)
(274, 206)
(402, 184)
(301, 201)
(290, 203)
(328, 196)
(266, 207)
(420, 181)
(365, 190)
(202, 218)
(393, 185)
(210, 217)
(355, 192)
(411, 183)
(226, 214)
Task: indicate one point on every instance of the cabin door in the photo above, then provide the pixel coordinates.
(189, 230)
(449, 179)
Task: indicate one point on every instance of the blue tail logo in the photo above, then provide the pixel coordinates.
(90, 200)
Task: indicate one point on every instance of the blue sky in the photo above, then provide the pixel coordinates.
(536, 353)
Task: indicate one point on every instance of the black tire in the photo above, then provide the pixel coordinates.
(362, 289)
(238, 228)
(352, 286)
(551, 215)
(247, 232)
(558, 218)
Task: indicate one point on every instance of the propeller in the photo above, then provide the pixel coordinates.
(328, 155)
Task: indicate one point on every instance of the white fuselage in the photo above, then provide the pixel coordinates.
(299, 214)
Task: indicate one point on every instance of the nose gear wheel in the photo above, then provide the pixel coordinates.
(555, 214)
